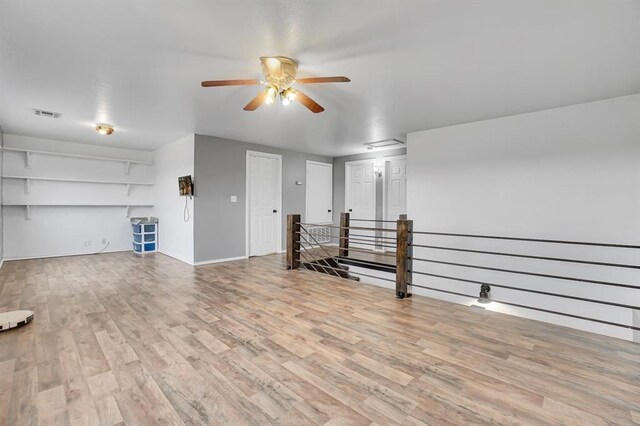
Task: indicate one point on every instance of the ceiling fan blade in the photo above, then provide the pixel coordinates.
(255, 103)
(322, 80)
(313, 106)
(218, 83)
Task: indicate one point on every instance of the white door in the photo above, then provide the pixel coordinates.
(360, 197)
(396, 188)
(319, 193)
(263, 202)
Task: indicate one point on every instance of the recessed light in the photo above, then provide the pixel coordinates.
(104, 129)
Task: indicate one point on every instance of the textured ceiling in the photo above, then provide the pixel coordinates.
(414, 65)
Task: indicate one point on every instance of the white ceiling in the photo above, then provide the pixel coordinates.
(414, 65)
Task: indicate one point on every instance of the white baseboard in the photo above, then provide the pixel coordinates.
(228, 259)
(1, 263)
(176, 258)
(48, 256)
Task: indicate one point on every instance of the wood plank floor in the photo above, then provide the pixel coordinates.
(123, 340)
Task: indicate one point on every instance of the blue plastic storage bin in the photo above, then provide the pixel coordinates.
(137, 238)
(145, 231)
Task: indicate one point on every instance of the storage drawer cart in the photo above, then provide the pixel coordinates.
(145, 234)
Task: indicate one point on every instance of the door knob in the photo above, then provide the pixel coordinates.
(275, 211)
(329, 211)
(350, 210)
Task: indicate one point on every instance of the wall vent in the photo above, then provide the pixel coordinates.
(49, 114)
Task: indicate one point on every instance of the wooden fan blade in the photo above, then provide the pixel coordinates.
(313, 106)
(218, 83)
(255, 103)
(322, 80)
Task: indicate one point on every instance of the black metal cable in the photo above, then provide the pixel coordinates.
(546, 293)
(535, 274)
(371, 220)
(531, 307)
(369, 252)
(350, 227)
(557, 259)
(537, 240)
(364, 262)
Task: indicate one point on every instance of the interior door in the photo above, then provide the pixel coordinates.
(396, 188)
(319, 192)
(263, 172)
(360, 197)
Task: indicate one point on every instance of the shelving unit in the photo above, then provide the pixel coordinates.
(28, 152)
(145, 237)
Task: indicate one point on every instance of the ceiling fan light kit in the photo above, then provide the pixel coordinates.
(279, 75)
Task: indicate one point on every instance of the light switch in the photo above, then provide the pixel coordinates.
(234, 198)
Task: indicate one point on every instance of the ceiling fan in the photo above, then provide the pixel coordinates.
(279, 76)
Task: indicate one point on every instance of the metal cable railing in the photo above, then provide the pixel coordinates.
(346, 245)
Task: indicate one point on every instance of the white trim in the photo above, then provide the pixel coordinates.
(1, 263)
(306, 190)
(174, 257)
(11, 259)
(278, 158)
(209, 262)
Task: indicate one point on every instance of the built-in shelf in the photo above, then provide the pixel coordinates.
(28, 152)
(77, 205)
(52, 179)
(28, 179)
(28, 206)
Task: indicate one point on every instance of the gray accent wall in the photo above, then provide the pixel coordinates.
(220, 172)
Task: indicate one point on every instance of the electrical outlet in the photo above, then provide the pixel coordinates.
(87, 243)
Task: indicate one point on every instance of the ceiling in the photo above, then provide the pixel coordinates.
(414, 65)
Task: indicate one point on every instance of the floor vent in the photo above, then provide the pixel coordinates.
(49, 114)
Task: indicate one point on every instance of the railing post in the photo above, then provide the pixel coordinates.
(404, 235)
(293, 241)
(344, 235)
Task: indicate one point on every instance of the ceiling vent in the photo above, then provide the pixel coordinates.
(383, 144)
(49, 114)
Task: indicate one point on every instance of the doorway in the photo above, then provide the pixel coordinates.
(360, 195)
(395, 192)
(264, 203)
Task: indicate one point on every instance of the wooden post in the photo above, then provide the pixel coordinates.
(404, 253)
(344, 235)
(293, 241)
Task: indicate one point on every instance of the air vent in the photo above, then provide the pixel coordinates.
(383, 144)
(49, 114)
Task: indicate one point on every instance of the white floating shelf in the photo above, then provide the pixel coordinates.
(77, 205)
(27, 206)
(52, 179)
(91, 157)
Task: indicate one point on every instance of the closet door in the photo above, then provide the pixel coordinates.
(319, 193)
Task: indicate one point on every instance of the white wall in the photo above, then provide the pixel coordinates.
(569, 173)
(1, 226)
(175, 235)
(68, 230)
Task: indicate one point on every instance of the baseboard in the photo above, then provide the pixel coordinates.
(1, 263)
(49, 256)
(176, 258)
(228, 259)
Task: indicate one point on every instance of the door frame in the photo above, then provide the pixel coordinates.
(306, 189)
(247, 209)
(385, 160)
(347, 177)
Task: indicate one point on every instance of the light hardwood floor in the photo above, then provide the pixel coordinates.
(118, 339)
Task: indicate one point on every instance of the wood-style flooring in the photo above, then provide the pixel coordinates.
(119, 339)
